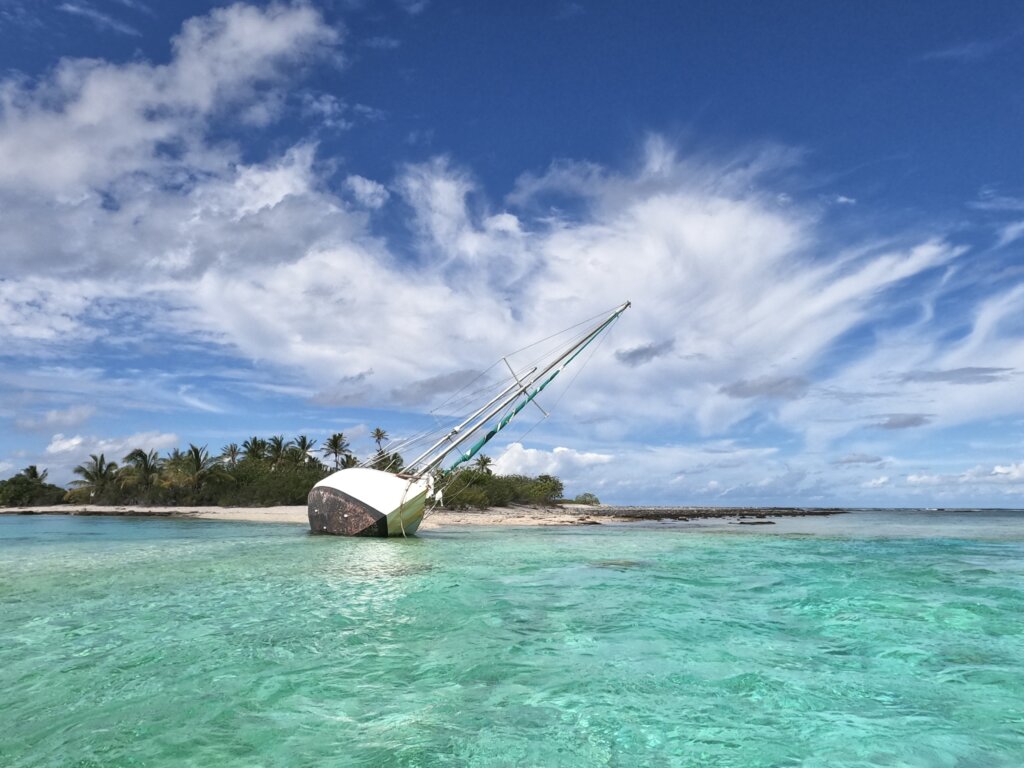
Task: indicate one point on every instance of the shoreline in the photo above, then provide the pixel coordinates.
(568, 514)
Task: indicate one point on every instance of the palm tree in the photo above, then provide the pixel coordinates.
(395, 462)
(387, 462)
(29, 487)
(277, 449)
(97, 476)
(141, 470)
(32, 473)
(380, 460)
(195, 469)
(379, 436)
(230, 454)
(304, 446)
(483, 463)
(337, 446)
(255, 448)
(349, 460)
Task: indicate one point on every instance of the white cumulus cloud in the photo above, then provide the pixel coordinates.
(368, 193)
(517, 460)
(79, 447)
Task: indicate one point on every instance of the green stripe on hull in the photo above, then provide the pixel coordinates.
(408, 517)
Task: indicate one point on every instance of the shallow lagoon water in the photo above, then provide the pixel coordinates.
(816, 642)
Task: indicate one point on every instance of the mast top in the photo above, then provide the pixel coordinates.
(525, 391)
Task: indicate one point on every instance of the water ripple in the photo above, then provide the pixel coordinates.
(165, 643)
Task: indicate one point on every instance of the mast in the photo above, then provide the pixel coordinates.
(554, 368)
(456, 430)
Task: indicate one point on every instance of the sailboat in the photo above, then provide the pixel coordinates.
(366, 501)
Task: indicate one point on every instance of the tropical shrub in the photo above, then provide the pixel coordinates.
(479, 488)
(259, 472)
(29, 488)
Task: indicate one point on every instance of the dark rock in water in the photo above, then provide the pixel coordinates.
(621, 563)
(757, 522)
(334, 512)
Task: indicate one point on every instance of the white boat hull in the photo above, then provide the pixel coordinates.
(367, 502)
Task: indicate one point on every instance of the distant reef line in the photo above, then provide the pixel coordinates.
(686, 513)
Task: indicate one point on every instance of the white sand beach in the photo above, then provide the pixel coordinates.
(296, 515)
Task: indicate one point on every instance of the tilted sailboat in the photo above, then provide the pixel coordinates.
(362, 501)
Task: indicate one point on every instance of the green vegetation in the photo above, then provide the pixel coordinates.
(479, 487)
(260, 472)
(29, 487)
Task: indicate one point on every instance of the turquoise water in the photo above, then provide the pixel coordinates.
(192, 643)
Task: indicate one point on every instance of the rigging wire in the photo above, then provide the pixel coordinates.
(564, 330)
(483, 373)
(462, 396)
(568, 385)
(450, 477)
(474, 396)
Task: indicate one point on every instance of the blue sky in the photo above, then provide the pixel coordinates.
(224, 220)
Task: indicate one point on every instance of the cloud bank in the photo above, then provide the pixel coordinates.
(133, 224)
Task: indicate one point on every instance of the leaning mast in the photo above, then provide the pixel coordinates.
(507, 398)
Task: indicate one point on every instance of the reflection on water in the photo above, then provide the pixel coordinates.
(372, 559)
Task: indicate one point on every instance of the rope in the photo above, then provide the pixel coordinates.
(401, 508)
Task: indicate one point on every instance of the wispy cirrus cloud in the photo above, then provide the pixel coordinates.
(137, 5)
(100, 19)
(67, 418)
(1010, 233)
(382, 43)
(990, 200)
(970, 51)
(413, 7)
(327, 111)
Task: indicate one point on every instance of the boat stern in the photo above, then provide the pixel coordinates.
(337, 513)
(366, 502)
